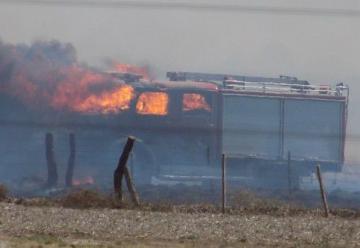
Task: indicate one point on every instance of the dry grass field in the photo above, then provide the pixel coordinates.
(89, 218)
(23, 226)
(86, 218)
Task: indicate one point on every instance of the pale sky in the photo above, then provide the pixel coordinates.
(320, 49)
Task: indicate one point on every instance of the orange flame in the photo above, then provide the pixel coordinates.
(192, 101)
(152, 103)
(84, 181)
(46, 76)
(126, 68)
(108, 102)
(74, 93)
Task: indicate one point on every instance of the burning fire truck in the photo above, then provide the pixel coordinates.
(184, 125)
(256, 122)
(262, 123)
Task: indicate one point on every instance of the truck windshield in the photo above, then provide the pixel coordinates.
(152, 103)
(195, 102)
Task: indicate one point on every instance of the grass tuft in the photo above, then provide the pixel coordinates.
(85, 198)
(3, 192)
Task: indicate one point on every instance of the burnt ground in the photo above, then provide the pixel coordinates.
(238, 196)
(180, 216)
(211, 194)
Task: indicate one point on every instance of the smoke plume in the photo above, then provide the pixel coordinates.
(46, 74)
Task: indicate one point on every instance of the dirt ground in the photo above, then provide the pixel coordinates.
(32, 226)
(47, 241)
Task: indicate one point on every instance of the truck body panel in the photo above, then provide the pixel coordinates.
(251, 126)
(268, 126)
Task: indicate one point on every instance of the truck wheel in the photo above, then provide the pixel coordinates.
(142, 165)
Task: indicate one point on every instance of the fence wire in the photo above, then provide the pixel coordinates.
(23, 164)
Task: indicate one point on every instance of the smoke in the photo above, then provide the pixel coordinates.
(46, 74)
(30, 72)
(35, 63)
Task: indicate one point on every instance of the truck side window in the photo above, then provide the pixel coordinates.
(152, 103)
(195, 102)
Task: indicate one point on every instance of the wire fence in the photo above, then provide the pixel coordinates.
(23, 165)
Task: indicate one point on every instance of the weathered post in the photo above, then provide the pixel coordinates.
(50, 159)
(223, 182)
(131, 187)
(122, 170)
(131, 165)
(71, 162)
(322, 191)
(289, 172)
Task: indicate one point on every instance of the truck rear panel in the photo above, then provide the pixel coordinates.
(268, 126)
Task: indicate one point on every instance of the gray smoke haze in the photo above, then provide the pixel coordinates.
(321, 49)
(47, 74)
(35, 60)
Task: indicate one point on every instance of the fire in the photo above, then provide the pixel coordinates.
(75, 93)
(108, 102)
(74, 86)
(46, 75)
(126, 68)
(192, 101)
(84, 181)
(152, 103)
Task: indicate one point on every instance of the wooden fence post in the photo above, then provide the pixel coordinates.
(71, 162)
(122, 170)
(223, 182)
(322, 191)
(289, 172)
(50, 159)
(131, 187)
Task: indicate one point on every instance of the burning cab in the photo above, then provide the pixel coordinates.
(183, 126)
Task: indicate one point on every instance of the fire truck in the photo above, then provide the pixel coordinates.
(262, 126)
(185, 124)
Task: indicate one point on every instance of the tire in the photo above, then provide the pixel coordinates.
(142, 165)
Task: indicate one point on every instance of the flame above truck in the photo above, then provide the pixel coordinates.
(187, 122)
(184, 123)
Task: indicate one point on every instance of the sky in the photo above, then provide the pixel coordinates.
(321, 49)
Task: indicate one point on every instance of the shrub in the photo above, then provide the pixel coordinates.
(3, 192)
(85, 198)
